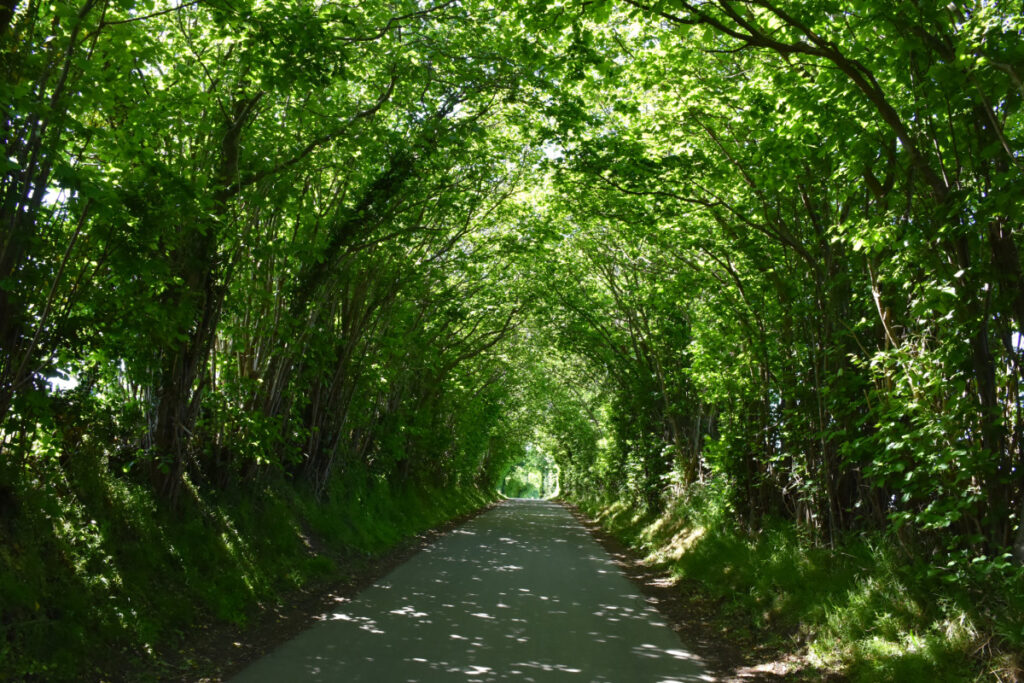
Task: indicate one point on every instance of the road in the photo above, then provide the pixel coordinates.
(519, 593)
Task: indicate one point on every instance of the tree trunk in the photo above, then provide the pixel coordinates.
(184, 376)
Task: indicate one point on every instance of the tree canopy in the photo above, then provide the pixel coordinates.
(774, 244)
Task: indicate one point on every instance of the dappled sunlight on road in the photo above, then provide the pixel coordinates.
(520, 593)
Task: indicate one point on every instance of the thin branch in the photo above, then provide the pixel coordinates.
(658, 193)
(182, 6)
(396, 20)
(313, 145)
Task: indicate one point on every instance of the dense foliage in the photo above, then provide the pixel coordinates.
(254, 236)
(771, 246)
(796, 256)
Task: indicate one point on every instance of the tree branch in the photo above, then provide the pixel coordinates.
(182, 6)
(313, 145)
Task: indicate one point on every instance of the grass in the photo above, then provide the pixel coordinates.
(862, 610)
(94, 570)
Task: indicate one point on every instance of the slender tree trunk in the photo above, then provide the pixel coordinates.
(35, 145)
(184, 377)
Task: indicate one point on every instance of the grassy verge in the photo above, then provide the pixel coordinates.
(93, 570)
(862, 610)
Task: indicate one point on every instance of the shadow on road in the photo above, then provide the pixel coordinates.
(520, 593)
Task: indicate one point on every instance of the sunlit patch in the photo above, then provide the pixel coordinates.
(680, 543)
(549, 667)
(365, 623)
(408, 611)
(648, 650)
(683, 655)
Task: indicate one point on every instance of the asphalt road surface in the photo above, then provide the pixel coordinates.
(520, 593)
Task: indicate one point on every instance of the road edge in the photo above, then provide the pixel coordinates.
(694, 618)
(222, 650)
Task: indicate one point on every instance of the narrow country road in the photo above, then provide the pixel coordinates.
(520, 593)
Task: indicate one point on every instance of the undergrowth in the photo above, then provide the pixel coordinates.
(95, 573)
(866, 609)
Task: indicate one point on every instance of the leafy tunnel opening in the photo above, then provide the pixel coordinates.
(535, 475)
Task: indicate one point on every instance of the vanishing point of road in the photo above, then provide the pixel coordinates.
(519, 593)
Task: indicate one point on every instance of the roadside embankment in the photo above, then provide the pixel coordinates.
(99, 581)
(863, 610)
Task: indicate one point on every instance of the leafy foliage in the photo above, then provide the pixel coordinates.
(768, 246)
